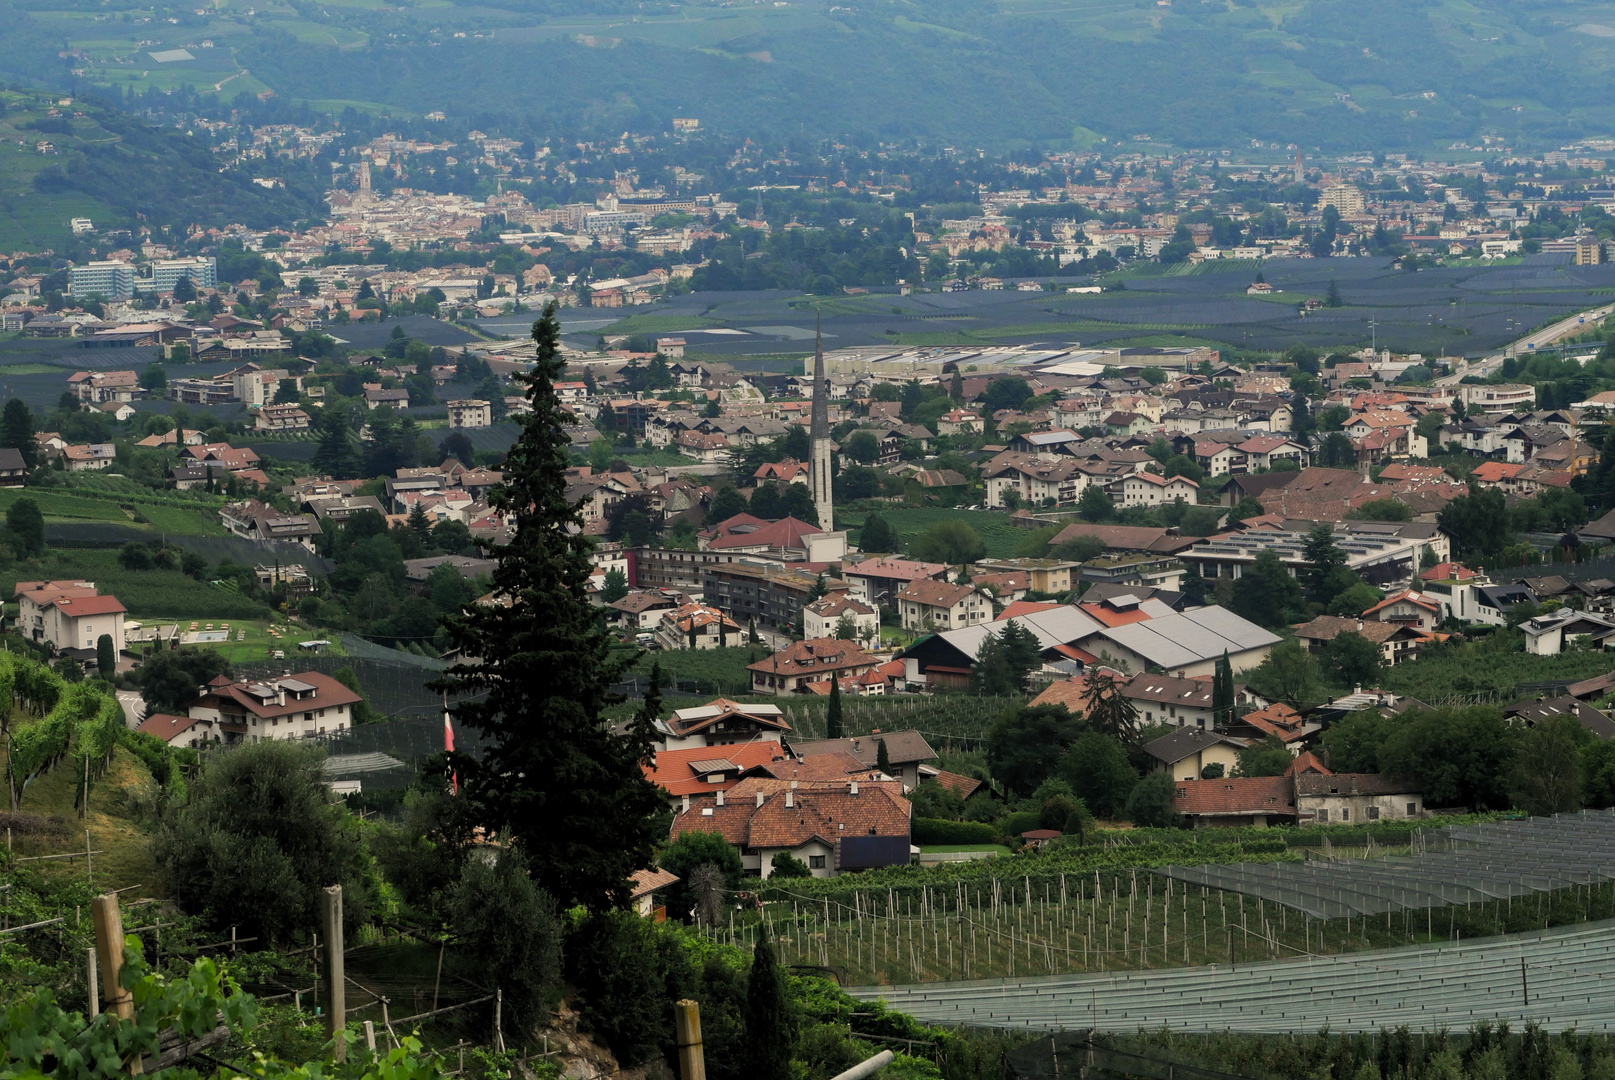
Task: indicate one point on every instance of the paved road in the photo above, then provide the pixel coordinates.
(1575, 324)
(1569, 975)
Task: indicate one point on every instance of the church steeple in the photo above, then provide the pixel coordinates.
(819, 434)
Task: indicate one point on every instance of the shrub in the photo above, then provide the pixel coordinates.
(257, 841)
(940, 831)
(1021, 821)
(508, 923)
(786, 865)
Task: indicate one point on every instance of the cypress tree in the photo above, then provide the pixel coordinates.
(770, 1025)
(1222, 694)
(17, 431)
(553, 774)
(883, 760)
(832, 718)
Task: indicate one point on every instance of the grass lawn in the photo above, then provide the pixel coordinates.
(113, 824)
(995, 528)
(250, 640)
(61, 506)
(644, 458)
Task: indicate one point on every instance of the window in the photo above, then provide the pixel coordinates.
(1413, 808)
(1373, 813)
(1323, 815)
(1345, 815)
(815, 862)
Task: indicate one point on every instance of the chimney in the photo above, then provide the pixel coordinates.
(720, 798)
(759, 800)
(1359, 625)
(686, 806)
(852, 788)
(790, 800)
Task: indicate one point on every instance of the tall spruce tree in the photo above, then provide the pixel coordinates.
(832, 717)
(552, 773)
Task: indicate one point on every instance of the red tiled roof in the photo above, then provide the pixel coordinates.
(1025, 607)
(1411, 597)
(646, 882)
(743, 530)
(895, 569)
(1495, 471)
(671, 770)
(813, 655)
(962, 786)
(166, 725)
(821, 811)
(838, 765)
(1306, 762)
(1448, 571)
(1108, 616)
(1072, 693)
(933, 593)
(1329, 627)
(328, 693)
(1251, 795)
(78, 606)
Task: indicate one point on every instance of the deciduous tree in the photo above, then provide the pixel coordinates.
(1461, 756)
(1099, 773)
(258, 839)
(1547, 775)
(27, 526)
(1352, 660)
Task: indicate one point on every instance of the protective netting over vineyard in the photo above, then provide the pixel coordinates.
(1461, 864)
(1558, 978)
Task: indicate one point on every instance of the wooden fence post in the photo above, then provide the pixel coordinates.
(109, 946)
(335, 976)
(92, 983)
(687, 1023)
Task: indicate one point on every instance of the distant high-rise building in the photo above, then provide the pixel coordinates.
(819, 437)
(1589, 249)
(165, 274)
(110, 280)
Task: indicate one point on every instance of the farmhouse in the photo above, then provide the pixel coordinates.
(290, 707)
(68, 614)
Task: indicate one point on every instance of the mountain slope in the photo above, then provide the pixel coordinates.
(86, 160)
(1340, 74)
(1343, 74)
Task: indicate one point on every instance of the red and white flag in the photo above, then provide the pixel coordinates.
(448, 748)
